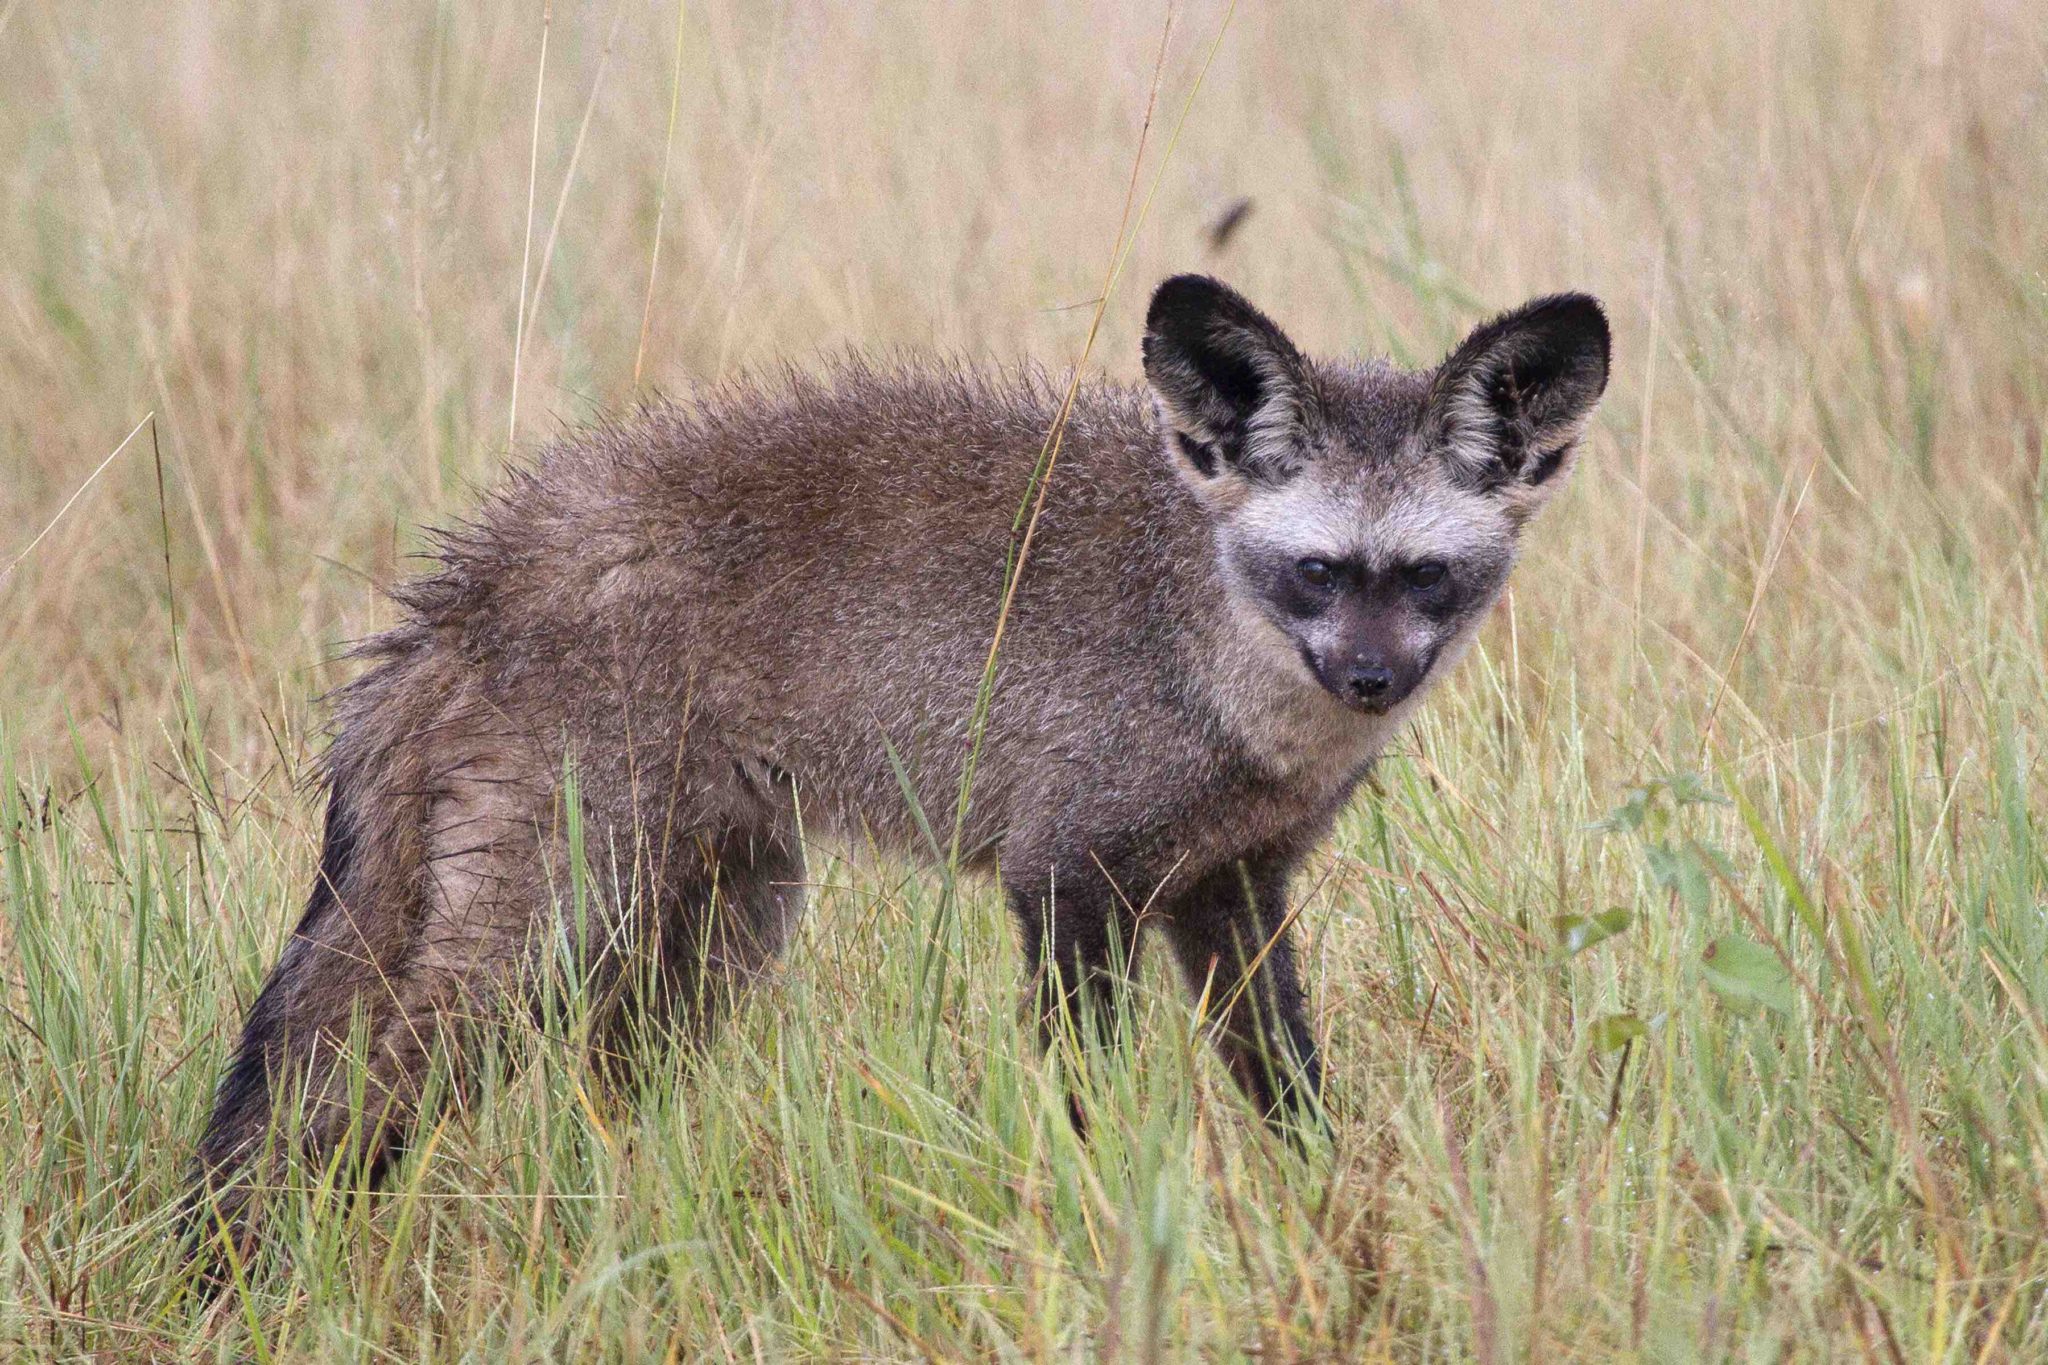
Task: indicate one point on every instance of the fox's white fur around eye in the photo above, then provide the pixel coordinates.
(779, 597)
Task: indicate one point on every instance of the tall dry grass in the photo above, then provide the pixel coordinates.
(1803, 558)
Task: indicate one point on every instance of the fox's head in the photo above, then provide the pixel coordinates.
(1369, 515)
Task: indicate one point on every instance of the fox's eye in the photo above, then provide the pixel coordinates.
(1316, 573)
(1427, 574)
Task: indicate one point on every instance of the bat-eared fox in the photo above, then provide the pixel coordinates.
(768, 611)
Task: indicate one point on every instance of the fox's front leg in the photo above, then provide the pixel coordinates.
(1232, 935)
(1080, 941)
(1081, 955)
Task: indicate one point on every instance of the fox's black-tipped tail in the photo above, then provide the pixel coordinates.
(295, 1018)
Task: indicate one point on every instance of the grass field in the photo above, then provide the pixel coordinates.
(1773, 679)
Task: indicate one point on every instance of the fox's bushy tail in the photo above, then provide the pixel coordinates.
(331, 1046)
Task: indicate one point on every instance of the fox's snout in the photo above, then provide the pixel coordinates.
(1370, 683)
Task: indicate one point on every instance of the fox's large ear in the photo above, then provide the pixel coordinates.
(1234, 393)
(1507, 408)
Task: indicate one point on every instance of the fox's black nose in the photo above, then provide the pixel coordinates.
(1370, 682)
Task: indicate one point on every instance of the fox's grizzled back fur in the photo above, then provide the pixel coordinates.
(781, 597)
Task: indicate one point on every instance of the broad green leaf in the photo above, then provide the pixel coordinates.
(1629, 814)
(1681, 870)
(1611, 1032)
(1576, 933)
(1748, 976)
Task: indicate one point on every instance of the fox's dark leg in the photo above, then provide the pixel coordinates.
(724, 907)
(1231, 934)
(1080, 941)
(1083, 956)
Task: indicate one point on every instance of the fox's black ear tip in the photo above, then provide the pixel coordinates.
(1182, 296)
(1574, 318)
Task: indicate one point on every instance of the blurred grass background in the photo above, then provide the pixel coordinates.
(1803, 558)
